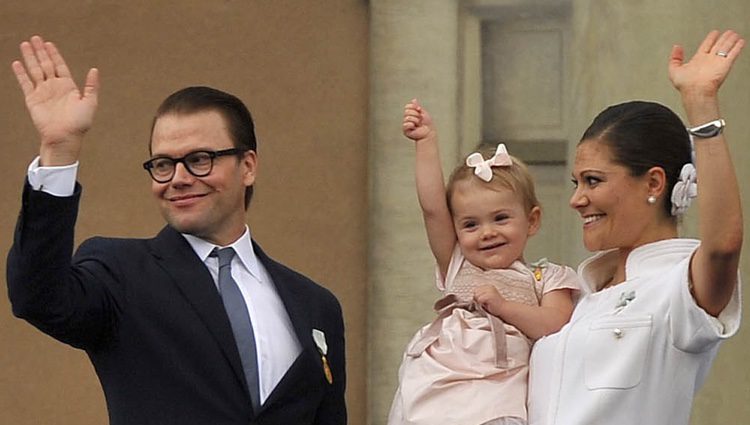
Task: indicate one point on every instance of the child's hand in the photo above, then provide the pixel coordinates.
(489, 298)
(417, 122)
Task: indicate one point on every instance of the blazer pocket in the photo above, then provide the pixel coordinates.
(616, 351)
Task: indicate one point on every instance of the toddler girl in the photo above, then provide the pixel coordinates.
(470, 365)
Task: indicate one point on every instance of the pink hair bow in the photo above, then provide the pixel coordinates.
(483, 168)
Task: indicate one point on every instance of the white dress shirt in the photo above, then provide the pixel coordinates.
(275, 340)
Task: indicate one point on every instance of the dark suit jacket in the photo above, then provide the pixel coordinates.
(148, 314)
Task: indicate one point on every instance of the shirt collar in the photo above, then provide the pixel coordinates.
(646, 259)
(243, 247)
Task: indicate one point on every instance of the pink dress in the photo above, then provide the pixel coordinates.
(467, 367)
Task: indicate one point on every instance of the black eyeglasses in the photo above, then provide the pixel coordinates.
(198, 163)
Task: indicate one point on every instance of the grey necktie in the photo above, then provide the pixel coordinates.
(242, 328)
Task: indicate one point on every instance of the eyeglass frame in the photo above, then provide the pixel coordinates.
(149, 165)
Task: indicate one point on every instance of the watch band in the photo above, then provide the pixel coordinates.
(708, 130)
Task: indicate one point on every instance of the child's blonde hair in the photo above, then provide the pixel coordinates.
(515, 177)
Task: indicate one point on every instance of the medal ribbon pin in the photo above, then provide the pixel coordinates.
(320, 341)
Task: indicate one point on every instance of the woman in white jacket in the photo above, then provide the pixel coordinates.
(654, 307)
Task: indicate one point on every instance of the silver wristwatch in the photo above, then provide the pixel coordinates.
(708, 130)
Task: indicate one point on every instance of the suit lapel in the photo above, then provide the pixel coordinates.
(297, 307)
(193, 280)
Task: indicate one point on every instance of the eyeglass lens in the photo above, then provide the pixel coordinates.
(198, 163)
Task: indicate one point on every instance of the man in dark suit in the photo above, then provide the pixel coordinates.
(194, 326)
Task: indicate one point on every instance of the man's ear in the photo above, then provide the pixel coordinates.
(249, 163)
(535, 220)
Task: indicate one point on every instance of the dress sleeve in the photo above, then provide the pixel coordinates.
(694, 330)
(557, 277)
(457, 260)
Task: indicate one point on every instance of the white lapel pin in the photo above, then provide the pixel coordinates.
(320, 340)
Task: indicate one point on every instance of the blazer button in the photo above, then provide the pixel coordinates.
(618, 333)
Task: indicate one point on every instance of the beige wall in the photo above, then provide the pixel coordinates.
(301, 67)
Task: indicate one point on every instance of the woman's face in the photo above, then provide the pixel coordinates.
(612, 203)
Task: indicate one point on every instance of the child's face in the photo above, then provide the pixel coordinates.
(491, 225)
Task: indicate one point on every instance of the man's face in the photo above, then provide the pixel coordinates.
(210, 207)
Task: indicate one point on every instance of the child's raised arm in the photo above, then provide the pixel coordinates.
(441, 235)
